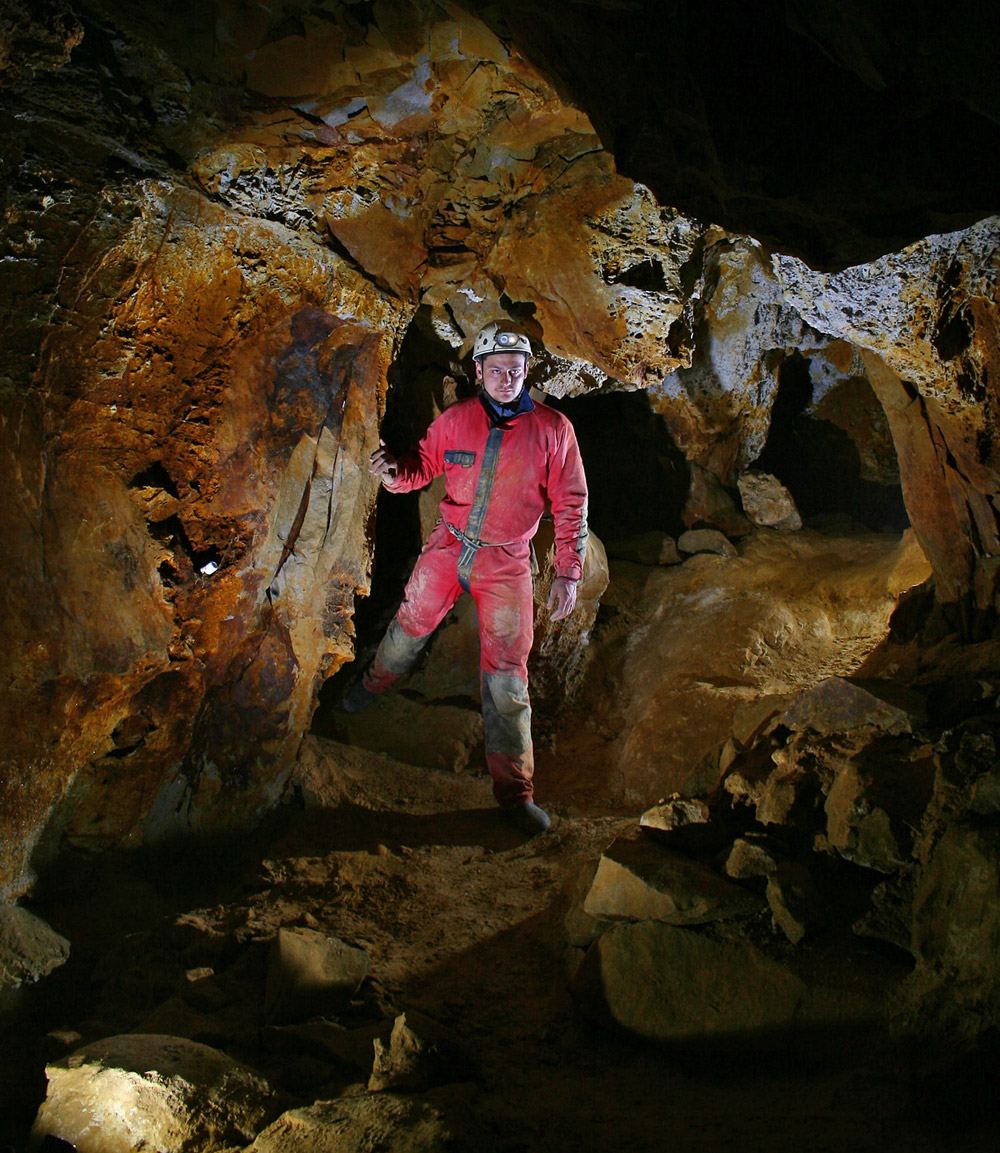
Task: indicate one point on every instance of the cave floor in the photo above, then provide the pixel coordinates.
(464, 922)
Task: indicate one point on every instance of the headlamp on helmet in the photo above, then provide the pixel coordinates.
(492, 339)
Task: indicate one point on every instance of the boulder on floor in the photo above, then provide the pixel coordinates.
(310, 975)
(29, 949)
(752, 856)
(838, 705)
(677, 813)
(697, 540)
(858, 828)
(710, 503)
(767, 502)
(419, 1054)
(637, 881)
(672, 983)
(773, 786)
(147, 1091)
(383, 1121)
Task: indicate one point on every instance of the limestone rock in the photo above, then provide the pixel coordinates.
(697, 540)
(582, 930)
(601, 233)
(843, 396)
(767, 502)
(858, 828)
(758, 717)
(718, 406)
(149, 1091)
(938, 342)
(36, 37)
(384, 1121)
(676, 813)
(712, 637)
(636, 880)
(310, 974)
(29, 949)
(559, 652)
(954, 930)
(675, 984)
(709, 503)
(836, 705)
(774, 792)
(419, 1054)
(217, 590)
(751, 857)
(794, 900)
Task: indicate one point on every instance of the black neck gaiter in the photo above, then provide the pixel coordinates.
(498, 413)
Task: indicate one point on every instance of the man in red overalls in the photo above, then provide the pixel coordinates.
(504, 458)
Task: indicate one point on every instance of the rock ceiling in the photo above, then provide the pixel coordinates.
(221, 219)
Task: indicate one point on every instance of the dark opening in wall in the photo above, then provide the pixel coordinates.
(637, 477)
(424, 380)
(835, 456)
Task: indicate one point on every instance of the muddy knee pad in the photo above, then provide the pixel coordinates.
(506, 714)
(396, 655)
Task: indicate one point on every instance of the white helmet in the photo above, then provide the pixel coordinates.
(491, 339)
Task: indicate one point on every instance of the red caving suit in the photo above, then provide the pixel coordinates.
(500, 472)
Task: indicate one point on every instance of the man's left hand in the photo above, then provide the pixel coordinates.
(562, 598)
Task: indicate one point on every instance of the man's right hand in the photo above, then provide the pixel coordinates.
(383, 464)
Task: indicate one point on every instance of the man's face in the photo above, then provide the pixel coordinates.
(502, 374)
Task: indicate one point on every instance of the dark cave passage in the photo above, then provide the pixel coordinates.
(637, 477)
(818, 459)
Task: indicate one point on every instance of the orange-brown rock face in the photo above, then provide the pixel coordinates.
(927, 320)
(451, 171)
(189, 506)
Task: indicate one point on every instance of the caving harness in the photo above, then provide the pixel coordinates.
(470, 539)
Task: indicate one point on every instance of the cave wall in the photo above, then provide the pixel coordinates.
(189, 505)
(219, 220)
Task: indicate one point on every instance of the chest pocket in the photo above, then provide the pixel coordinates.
(457, 456)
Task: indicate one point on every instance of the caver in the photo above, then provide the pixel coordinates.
(505, 458)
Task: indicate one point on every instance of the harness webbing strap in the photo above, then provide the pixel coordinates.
(471, 543)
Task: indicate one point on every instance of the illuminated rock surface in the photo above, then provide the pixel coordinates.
(29, 949)
(163, 1092)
